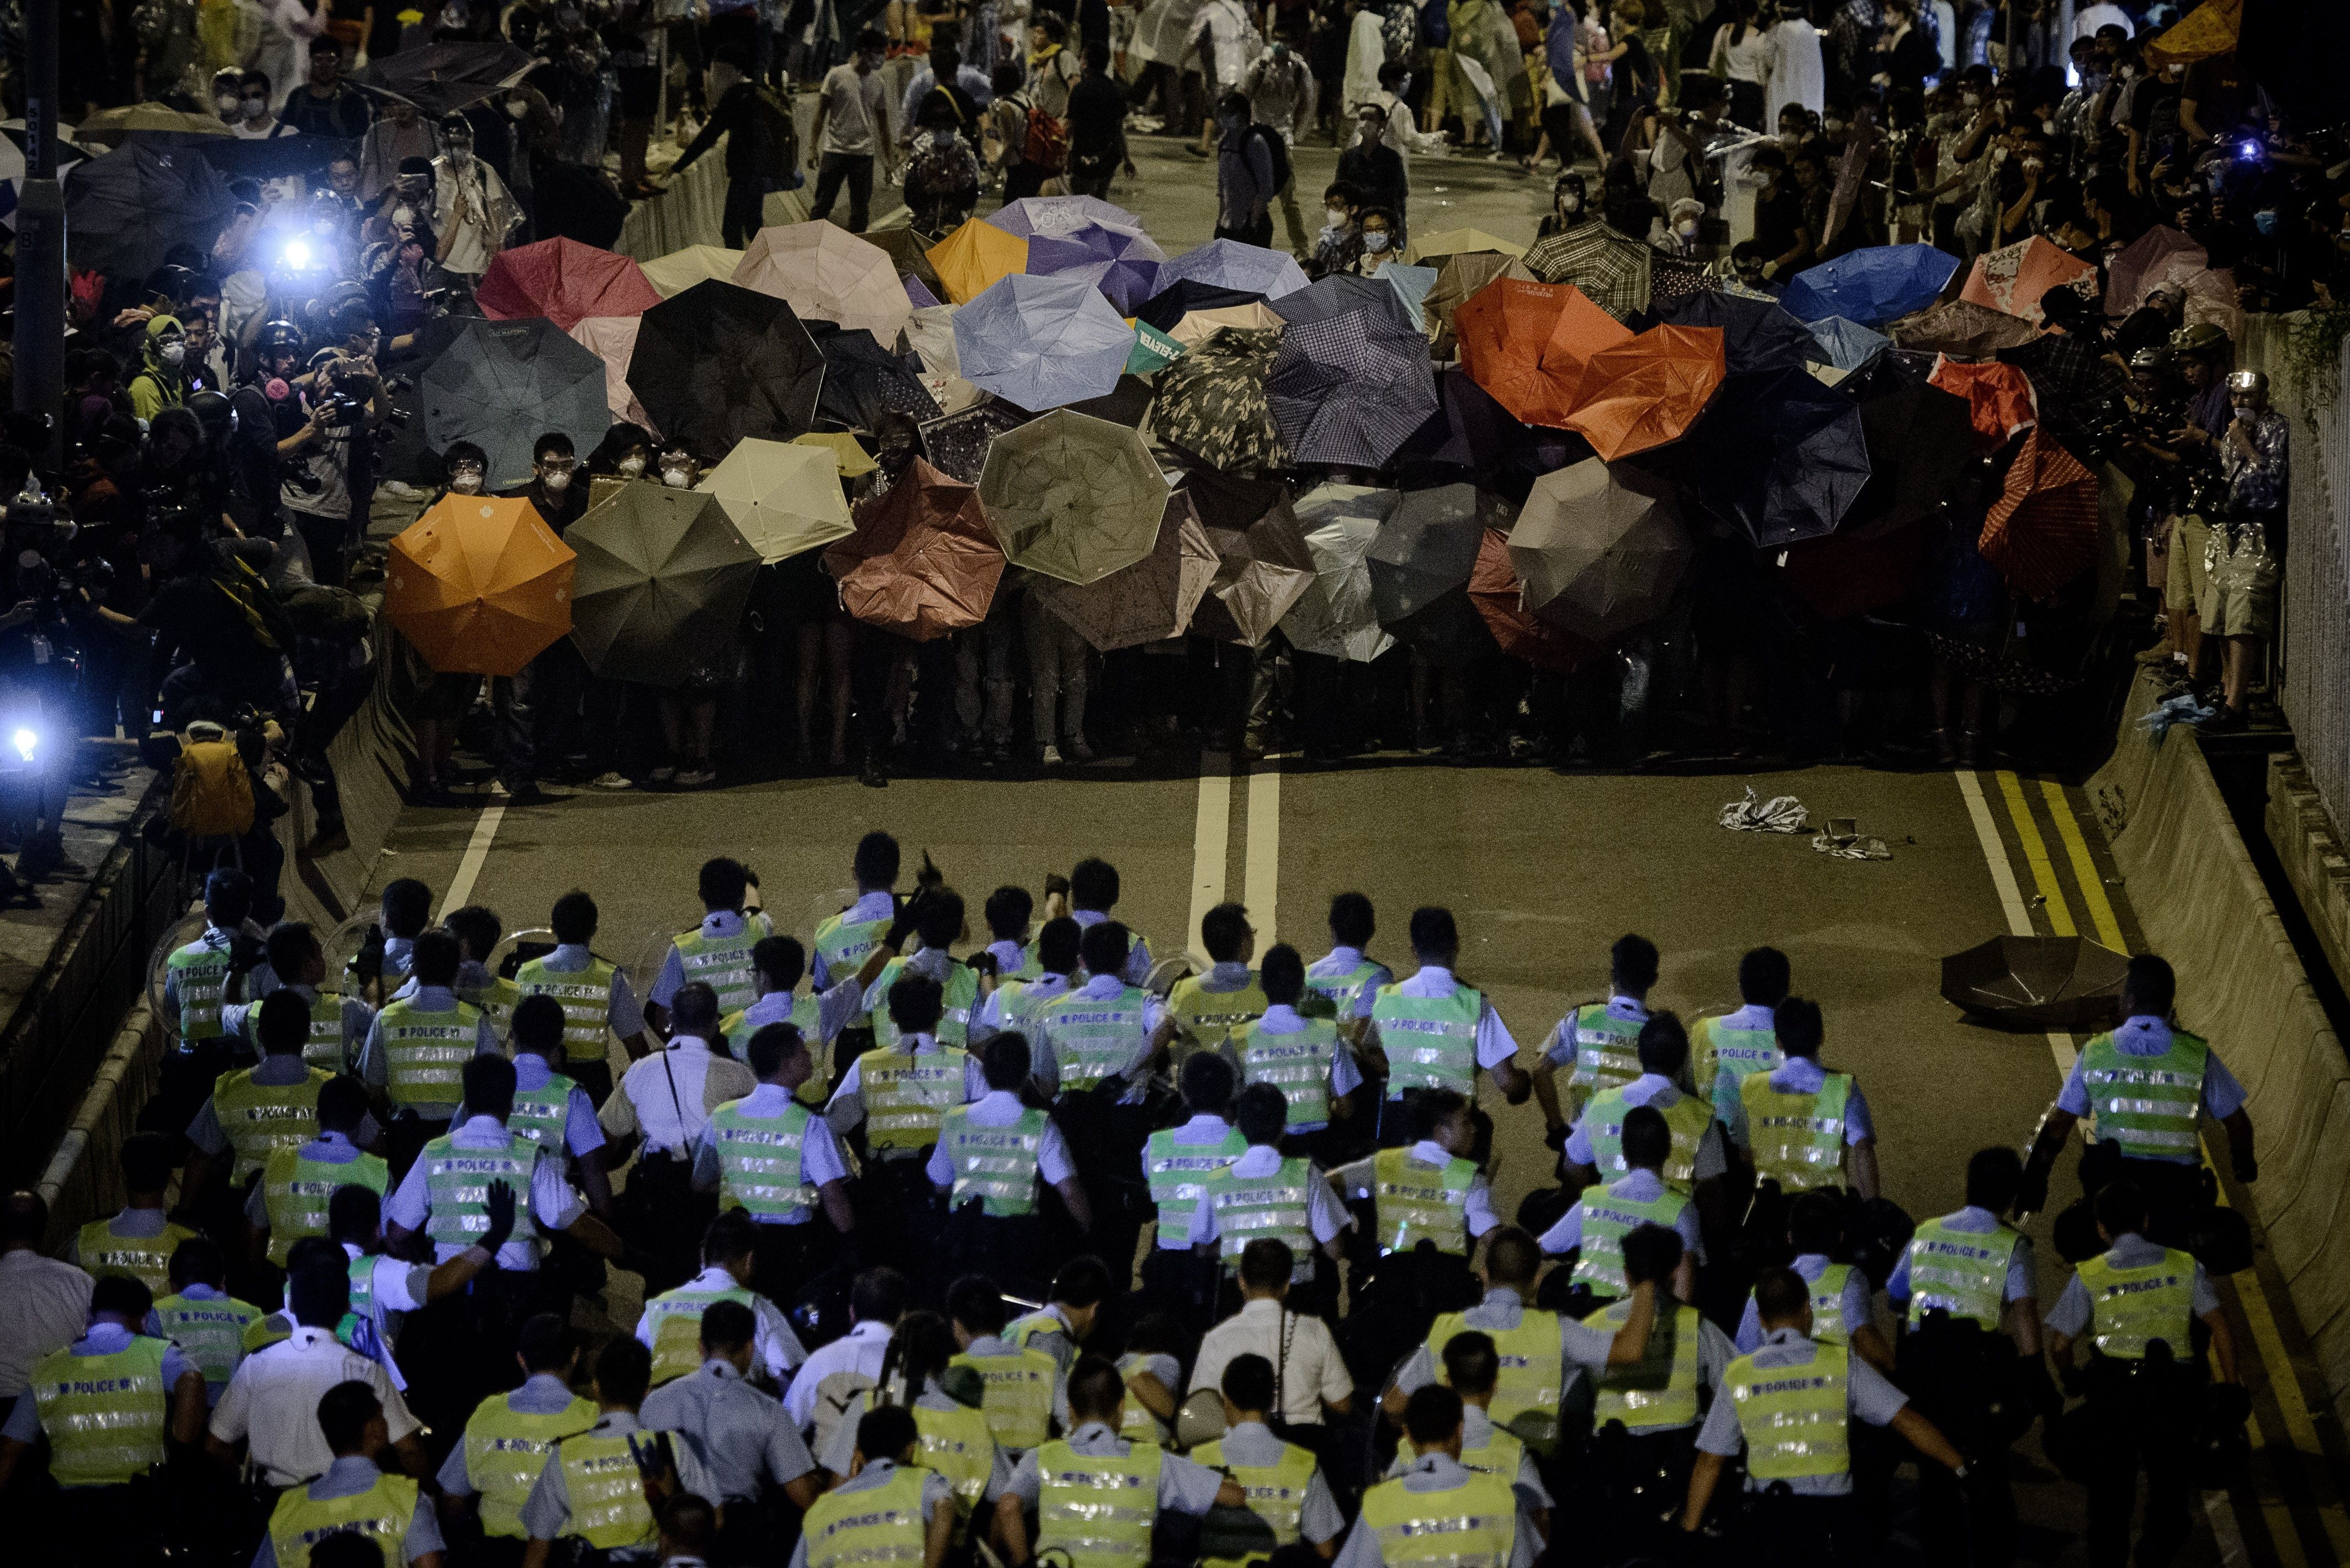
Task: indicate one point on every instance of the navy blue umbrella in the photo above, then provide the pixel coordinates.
(1756, 334)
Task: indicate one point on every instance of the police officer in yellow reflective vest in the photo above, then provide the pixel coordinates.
(593, 1486)
(2143, 1088)
(417, 1049)
(1841, 1315)
(599, 1003)
(298, 1184)
(1097, 1495)
(196, 979)
(2139, 1305)
(1019, 1390)
(777, 964)
(201, 1317)
(137, 1242)
(1430, 1203)
(1440, 1512)
(940, 924)
(1594, 1227)
(1285, 1485)
(510, 1437)
(1430, 1032)
(990, 1157)
(255, 1111)
(1791, 1406)
(1207, 1011)
(478, 930)
(1696, 1158)
(355, 1497)
(890, 1509)
(1597, 1042)
(105, 1402)
(1346, 981)
(717, 952)
(900, 1094)
(844, 941)
(1802, 1125)
(670, 1325)
(1309, 1060)
(1017, 1004)
(1011, 944)
(1965, 1287)
(338, 1023)
(768, 1155)
(1178, 1163)
(1092, 1050)
(1266, 1196)
(1725, 1050)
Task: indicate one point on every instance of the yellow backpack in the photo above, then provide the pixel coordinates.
(211, 792)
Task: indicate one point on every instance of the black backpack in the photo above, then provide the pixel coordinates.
(777, 139)
(1277, 151)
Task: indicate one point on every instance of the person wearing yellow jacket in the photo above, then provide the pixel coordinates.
(593, 1488)
(1477, 1517)
(355, 1496)
(106, 1403)
(889, 1509)
(511, 1436)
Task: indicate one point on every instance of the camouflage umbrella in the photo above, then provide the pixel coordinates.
(1146, 602)
(1213, 401)
(1335, 616)
(1073, 497)
(1609, 267)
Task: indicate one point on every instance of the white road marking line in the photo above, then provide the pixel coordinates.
(1210, 840)
(1263, 893)
(2011, 896)
(477, 851)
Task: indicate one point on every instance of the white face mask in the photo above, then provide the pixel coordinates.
(1337, 216)
(465, 482)
(254, 107)
(2047, 128)
(515, 108)
(556, 481)
(174, 353)
(229, 104)
(630, 467)
(676, 478)
(1376, 241)
(1686, 228)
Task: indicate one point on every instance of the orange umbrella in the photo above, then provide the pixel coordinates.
(2013, 278)
(975, 256)
(1999, 398)
(2043, 532)
(1648, 390)
(480, 584)
(1526, 343)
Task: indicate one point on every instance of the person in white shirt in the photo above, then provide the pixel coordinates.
(1284, 981)
(1798, 73)
(835, 1375)
(553, 1204)
(663, 1103)
(1261, 1113)
(44, 1304)
(1310, 1376)
(888, 1441)
(1093, 894)
(1016, 1003)
(473, 211)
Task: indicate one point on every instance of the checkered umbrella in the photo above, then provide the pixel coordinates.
(1612, 269)
(1351, 387)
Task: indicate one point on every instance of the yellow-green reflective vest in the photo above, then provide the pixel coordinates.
(1828, 1327)
(1178, 1173)
(1334, 996)
(959, 1000)
(1474, 1525)
(906, 1097)
(872, 1528)
(1275, 1207)
(1298, 1064)
(1096, 1508)
(294, 1192)
(1136, 1422)
(1797, 1140)
(496, 1002)
(1498, 1453)
(958, 1444)
(1607, 1219)
(1093, 1037)
(504, 1450)
(1722, 1058)
(1026, 1332)
(759, 1160)
(259, 1119)
(1276, 1493)
(199, 974)
(842, 945)
(1687, 1118)
(381, 1513)
(1018, 1402)
(210, 1332)
(1020, 1007)
(105, 1415)
(147, 1259)
(2148, 1105)
(541, 1114)
(1643, 1409)
(586, 995)
(723, 963)
(1416, 1202)
(1431, 1040)
(605, 1492)
(2131, 1308)
(457, 1185)
(1606, 1048)
(425, 1052)
(807, 1012)
(1532, 1373)
(1795, 1419)
(325, 1048)
(1208, 1019)
(676, 1318)
(995, 1165)
(1962, 1273)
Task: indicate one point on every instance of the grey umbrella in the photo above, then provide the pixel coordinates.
(1421, 564)
(1597, 550)
(125, 210)
(1335, 616)
(503, 384)
(660, 583)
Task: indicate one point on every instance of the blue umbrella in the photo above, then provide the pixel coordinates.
(1228, 264)
(1032, 216)
(1342, 292)
(1872, 286)
(1783, 458)
(1042, 342)
(1351, 387)
(1122, 262)
(1845, 345)
(1411, 284)
(1756, 336)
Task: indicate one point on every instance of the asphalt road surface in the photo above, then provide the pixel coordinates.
(1542, 871)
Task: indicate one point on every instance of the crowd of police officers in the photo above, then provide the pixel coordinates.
(887, 1201)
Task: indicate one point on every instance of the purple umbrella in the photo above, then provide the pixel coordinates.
(1031, 216)
(1351, 387)
(1122, 262)
(1228, 264)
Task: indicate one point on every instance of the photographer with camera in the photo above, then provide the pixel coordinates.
(329, 459)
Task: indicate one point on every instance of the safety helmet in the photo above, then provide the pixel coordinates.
(2248, 381)
(2151, 359)
(2197, 337)
(214, 409)
(278, 334)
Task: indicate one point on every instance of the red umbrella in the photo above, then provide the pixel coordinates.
(563, 281)
(2043, 532)
(1851, 573)
(1493, 589)
(1526, 344)
(923, 561)
(2000, 401)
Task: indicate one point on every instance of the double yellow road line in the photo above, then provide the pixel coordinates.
(2298, 1448)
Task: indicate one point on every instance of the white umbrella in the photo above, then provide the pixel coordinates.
(784, 496)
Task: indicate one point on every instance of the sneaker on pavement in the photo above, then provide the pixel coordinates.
(664, 774)
(696, 778)
(611, 779)
(1048, 755)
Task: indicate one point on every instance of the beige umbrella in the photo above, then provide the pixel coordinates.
(612, 338)
(679, 270)
(1458, 280)
(1196, 325)
(784, 497)
(1598, 549)
(1148, 601)
(1072, 496)
(828, 273)
(109, 126)
(1454, 241)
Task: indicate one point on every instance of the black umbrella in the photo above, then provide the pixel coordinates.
(503, 384)
(1756, 334)
(1421, 564)
(441, 79)
(1126, 404)
(2033, 983)
(1471, 435)
(1776, 454)
(272, 157)
(662, 581)
(125, 210)
(402, 451)
(1919, 441)
(909, 251)
(956, 445)
(1180, 298)
(863, 381)
(718, 364)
